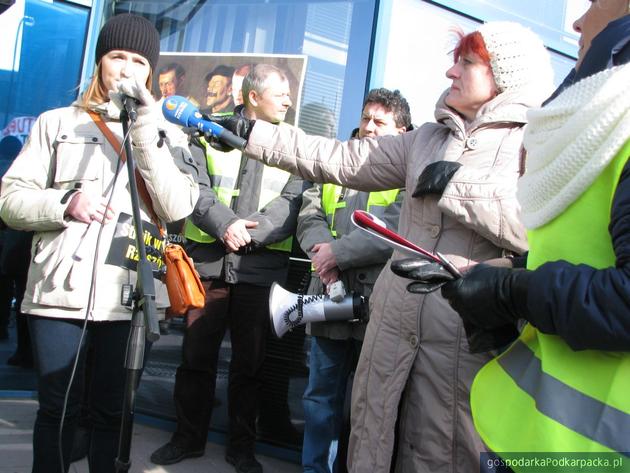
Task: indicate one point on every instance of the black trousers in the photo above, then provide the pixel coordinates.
(243, 308)
(55, 342)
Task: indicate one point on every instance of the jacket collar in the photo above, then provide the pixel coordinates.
(508, 106)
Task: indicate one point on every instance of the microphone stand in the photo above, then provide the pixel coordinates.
(144, 322)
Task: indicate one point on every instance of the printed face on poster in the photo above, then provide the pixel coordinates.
(212, 82)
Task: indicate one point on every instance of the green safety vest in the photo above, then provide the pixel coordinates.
(540, 395)
(330, 202)
(223, 169)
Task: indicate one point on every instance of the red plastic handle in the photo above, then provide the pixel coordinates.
(366, 220)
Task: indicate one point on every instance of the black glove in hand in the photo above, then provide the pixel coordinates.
(216, 143)
(489, 297)
(481, 340)
(435, 177)
(428, 275)
(236, 123)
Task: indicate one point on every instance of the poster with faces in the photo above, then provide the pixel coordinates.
(213, 82)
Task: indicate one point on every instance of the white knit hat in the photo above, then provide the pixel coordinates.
(518, 56)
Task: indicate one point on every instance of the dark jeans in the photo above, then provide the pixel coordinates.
(243, 308)
(331, 363)
(55, 343)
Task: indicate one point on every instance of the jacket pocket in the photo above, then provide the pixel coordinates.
(77, 160)
(46, 258)
(52, 265)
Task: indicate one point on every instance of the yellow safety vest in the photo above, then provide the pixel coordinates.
(540, 395)
(223, 169)
(330, 202)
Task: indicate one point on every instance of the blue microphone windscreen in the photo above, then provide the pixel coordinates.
(178, 110)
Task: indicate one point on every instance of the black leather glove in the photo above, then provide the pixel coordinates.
(481, 340)
(435, 177)
(212, 140)
(235, 123)
(488, 296)
(428, 275)
(217, 143)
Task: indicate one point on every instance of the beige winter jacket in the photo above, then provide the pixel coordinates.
(415, 349)
(66, 150)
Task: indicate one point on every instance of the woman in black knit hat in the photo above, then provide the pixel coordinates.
(70, 187)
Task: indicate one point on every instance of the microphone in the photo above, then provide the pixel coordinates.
(178, 110)
(130, 105)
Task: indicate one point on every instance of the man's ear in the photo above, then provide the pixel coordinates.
(253, 98)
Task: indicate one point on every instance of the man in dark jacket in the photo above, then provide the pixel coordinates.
(240, 237)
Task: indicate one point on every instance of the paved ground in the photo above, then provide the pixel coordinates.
(18, 407)
(16, 422)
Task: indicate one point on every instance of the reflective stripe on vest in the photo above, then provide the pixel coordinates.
(564, 404)
(330, 202)
(540, 395)
(223, 169)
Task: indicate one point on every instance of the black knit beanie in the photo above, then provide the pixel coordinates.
(130, 33)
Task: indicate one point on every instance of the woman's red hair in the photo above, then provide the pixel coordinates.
(472, 43)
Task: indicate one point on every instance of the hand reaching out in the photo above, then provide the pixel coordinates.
(236, 123)
(83, 209)
(237, 236)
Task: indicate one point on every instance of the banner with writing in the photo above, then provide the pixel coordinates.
(123, 251)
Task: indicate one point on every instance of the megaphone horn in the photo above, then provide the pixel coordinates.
(288, 310)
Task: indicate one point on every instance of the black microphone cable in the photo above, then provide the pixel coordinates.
(90, 303)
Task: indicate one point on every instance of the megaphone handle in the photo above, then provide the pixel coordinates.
(300, 308)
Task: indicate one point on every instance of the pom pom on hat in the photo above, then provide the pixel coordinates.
(518, 57)
(130, 33)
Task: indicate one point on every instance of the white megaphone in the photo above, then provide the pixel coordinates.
(288, 310)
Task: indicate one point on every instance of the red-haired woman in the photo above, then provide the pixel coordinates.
(460, 173)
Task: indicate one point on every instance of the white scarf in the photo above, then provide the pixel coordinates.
(570, 141)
